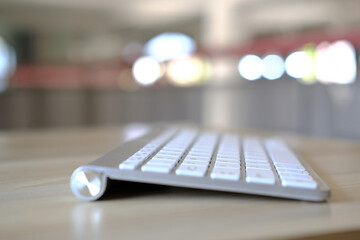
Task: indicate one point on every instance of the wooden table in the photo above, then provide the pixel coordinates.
(36, 201)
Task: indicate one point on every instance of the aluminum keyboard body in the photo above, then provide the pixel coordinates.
(190, 157)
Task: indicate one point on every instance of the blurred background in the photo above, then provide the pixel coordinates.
(275, 65)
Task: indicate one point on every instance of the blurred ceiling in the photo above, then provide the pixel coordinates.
(87, 30)
(109, 15)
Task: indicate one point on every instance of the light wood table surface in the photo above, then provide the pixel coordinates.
(36, 201)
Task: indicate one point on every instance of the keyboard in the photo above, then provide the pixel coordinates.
(191, 157)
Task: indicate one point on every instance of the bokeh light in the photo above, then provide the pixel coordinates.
(309, 49)
(147, 70)
(299, 64)
(188, 71)
(273, 67)
(336, 63)
(251, 67)
(167, 46)
(7, 63)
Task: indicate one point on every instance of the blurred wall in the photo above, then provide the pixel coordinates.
(281, 105)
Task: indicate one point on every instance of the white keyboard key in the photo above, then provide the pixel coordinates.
(289, 166)
(295, 176)
(226, 165)
(255, 153)
(203, 155)
(256, 161)
(137, 158)
(288, 182)
(172, 158)
(166, 153)
(229, 152)
(229, 155)
(193, 158)
(260, 176)
(201, 150)
(228, 149)
(195, 171)
(156, 168)
(284, 158)
(258, 153)
(161, 161)
(258, 166)
(129, 165)
(142, 153)
(194, 163)
(264, 159)
(287, 170)
(279, 153)
(234, 160)
(219, 156)
(225, 174)
(171, 149)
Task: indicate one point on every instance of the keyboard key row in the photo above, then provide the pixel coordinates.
(190, 154)
(166, 159)
(260, 176)
(291, 172)
(197, 161)
(227, 161)
(257, 164)
(148, 150)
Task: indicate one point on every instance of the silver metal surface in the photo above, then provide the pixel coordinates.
(88, 184)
